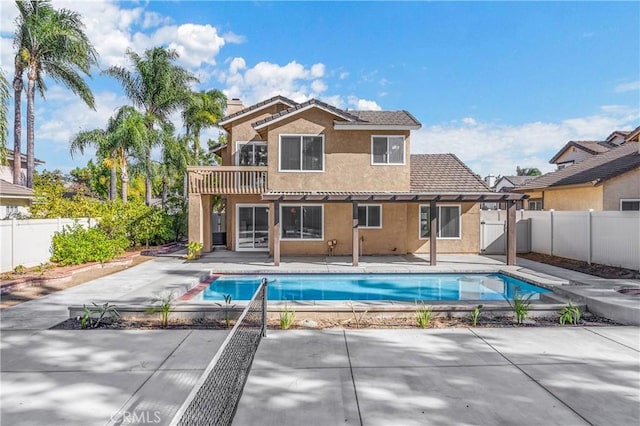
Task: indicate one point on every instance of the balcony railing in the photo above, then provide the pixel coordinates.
(227, 180)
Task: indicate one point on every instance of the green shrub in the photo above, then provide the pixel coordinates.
(423, 316)
(76, 245)
(569, 314)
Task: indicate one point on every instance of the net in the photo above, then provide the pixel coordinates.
(214, 399)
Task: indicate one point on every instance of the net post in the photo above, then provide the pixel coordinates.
(264, 307)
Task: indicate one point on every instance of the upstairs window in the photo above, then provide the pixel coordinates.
(387, 150)
(370, 216)
(301, 153)
(251, 153)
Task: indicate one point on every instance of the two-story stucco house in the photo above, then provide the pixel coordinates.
(312, 179)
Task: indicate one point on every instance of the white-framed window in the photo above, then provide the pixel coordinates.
(301, 222)
(370, 216)
(301, 153)
(535, 204)
(629, 205)
(387, 150)
(449, 223)
(251, 154)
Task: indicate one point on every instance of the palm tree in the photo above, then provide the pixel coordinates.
(4, 106)
(51, 42)
(173, 165)
(158, 87)
(203, 110)
(125, 137)
(100, 139)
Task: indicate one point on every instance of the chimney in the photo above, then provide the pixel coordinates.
(234, 105)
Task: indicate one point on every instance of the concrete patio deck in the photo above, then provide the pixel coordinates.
(521, 376)
(570, 375)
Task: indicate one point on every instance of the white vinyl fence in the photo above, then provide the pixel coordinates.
(28, 242)
(604, 237)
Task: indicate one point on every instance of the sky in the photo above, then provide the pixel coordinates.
(499, 84)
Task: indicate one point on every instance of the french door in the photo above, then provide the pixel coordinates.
(252, 227)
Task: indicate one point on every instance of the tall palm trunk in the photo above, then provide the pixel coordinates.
(124, 174)
(18, 85)
(112, 180)
(31, 92)
(147, 180)
(165, 192)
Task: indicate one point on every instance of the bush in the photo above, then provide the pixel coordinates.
(76, 245)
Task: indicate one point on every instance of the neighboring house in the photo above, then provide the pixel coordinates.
(312, 179)
(576, 151)
(607, 181)
(15, 198)
(507, 184)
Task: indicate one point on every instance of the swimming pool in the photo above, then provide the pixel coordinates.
(371, 287)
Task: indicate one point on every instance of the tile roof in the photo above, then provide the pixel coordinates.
(594, 169)
(443, 172)
(517, 180)
(23, 157)
(257, 106)
(297, 107)
(399, 118)
(591, 147)
(9, 190)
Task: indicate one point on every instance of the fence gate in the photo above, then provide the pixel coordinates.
(493, 236)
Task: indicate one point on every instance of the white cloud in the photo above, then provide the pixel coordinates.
(363, 104)
(493, 148)
(233, 38)
(632, 86)
(266, 79)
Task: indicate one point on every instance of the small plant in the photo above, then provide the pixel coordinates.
(475, 314)
(164, 307)
(43, 268)
(20, 270)
(92, 317)
(570, 314)
(520, 306)
(227, 306)
(194, 248)
(423, 316)
(287, 317)
(357, 318)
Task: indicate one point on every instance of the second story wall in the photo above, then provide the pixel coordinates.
(347, 159)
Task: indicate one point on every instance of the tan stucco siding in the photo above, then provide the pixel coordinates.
(242, 131)
(573, 154)
(469, 231)
(573, 198)
(347, 158)
(399, 233)
(625, 186)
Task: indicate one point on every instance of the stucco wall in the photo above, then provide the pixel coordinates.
(242, 131)
(347, 158)
(573, 154)
(573, 198)
(625, 186)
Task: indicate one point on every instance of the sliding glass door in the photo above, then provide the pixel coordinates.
(252, 228)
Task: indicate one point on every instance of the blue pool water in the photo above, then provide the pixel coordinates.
(397, 287)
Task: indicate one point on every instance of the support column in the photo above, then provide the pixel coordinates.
(195, 218)
(206, 223)
(356, 237)
(511, 233)
(433, 231)
(276, 233)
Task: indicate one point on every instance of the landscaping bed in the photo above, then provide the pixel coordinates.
(602, 271)
(324, 324)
